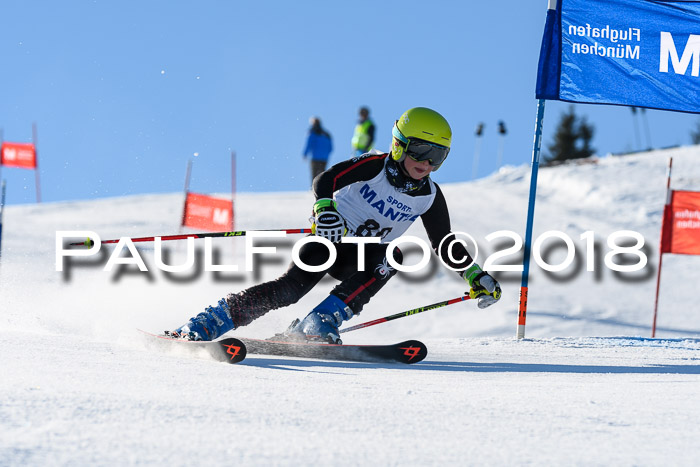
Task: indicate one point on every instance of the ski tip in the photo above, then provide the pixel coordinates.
(228, 350)
(412, 351)
(234, 350)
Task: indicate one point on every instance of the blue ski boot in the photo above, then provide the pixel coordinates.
(206, 326)
(322, 323)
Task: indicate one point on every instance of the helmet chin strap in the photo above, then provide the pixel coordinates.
(402, 167)
(398, 176)
(400, 164)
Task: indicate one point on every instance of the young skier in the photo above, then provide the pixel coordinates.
(373, 195)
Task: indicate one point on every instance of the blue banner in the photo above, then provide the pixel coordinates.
(641, 53)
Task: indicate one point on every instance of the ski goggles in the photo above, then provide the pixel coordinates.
(420, 150)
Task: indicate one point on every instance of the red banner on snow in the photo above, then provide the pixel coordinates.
(680, 229)
(207, 213)
(22, 155)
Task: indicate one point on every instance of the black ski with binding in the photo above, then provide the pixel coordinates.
(229, 349)
(411, 351)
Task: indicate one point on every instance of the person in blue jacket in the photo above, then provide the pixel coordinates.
(319, 146)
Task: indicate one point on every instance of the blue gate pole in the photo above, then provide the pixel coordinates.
(522, 305)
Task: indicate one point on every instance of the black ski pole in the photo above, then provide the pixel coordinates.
(414, 311)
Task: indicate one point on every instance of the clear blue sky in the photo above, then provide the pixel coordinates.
(125, 93)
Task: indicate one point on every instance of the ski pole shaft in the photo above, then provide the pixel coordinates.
(403, 314)
(238, 233)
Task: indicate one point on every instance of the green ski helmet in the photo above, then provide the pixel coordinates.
(421, 134)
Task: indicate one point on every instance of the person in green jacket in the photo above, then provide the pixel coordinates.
(363, 138)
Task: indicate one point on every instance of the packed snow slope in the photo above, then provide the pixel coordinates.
(588, 386)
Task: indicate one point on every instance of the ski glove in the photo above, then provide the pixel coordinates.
(483, 286)
(327, 221)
